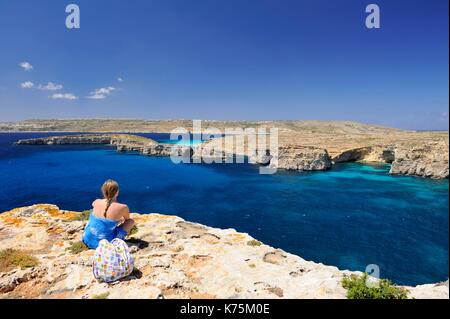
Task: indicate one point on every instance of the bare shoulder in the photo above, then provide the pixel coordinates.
(123, 207)
(124, 211)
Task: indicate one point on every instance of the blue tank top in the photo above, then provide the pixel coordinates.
(99, 228)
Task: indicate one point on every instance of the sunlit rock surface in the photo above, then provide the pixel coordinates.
(174, 259)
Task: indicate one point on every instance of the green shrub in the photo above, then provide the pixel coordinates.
(77, 247)
(101, 296)
(357, 289)
(254, 243)
(12, 258)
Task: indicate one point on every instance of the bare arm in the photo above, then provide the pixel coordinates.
(126, 213)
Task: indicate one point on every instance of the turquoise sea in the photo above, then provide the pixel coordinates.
(349, 217)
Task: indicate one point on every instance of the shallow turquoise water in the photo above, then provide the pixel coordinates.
(351, 216)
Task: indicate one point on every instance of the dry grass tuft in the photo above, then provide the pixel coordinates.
(12, 258)
(77, 247)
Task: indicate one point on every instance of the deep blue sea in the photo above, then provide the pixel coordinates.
(350, 216)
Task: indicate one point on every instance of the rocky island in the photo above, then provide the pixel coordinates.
(173, 259)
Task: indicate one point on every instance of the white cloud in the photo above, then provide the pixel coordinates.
(63, 96)
(120, 79)
(97, 96)
(27, 85)
(101, 93)
(26, 66)
(50, 87)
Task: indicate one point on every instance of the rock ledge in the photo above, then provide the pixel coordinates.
(174, 259)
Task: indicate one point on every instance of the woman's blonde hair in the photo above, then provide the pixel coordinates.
(109, 190)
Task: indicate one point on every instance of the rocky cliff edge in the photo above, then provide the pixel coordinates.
(174, 259)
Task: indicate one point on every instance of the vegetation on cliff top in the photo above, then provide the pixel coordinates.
(254, 243)
(81, 216)
(12, 258)
(357, 288)
(101, 296)
(77, 247)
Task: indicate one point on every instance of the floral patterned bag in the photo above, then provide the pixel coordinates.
(112, 260)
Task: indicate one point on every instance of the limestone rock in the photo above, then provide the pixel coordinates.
(430, 291)
(173, 259)
(380, 154)
(427, 160)
(302, 159)
(68, 139)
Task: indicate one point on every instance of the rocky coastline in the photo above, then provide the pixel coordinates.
(174, 259)
(428, 159)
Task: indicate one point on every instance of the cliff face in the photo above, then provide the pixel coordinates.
(174, 259)
(428, 160)
(377, 154)
(290, 157)
(303, 158)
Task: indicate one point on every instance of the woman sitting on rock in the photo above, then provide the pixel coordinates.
(109, 219)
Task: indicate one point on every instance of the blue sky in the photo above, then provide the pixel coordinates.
(227, 59)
